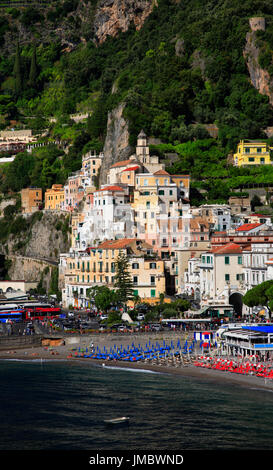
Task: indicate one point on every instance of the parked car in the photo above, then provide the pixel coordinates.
(122, 327)
(140, 317)
(103, 317)
(156, 327)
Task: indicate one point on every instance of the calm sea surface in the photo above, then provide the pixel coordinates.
(59, 406)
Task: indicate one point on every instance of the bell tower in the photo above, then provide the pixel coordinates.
(142, 149)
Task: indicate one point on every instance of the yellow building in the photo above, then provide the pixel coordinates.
(252, 152)
(97, 266)
(54, 197)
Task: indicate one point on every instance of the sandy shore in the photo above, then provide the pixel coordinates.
(64, 353)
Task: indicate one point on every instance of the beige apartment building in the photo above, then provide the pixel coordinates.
(221, 271)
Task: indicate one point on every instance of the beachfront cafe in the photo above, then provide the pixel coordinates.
(256, 340)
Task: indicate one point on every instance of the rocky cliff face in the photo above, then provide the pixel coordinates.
(46, 238)
(33, 254)
(116, 146)
(114, 16)
(259, 77)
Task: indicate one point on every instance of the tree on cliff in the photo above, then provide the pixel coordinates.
(33, 74)
(18, 85)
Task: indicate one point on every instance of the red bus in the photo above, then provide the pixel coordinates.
(41, 313)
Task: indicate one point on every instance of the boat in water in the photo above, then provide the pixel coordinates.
(120, 420)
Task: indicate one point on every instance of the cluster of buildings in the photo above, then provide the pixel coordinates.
(212, 254)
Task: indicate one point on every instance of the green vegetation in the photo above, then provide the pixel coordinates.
(260, 295)
(183, 70)
(103, 297)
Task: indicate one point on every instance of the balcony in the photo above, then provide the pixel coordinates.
(206, 265)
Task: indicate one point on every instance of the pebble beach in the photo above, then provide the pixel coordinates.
(71, 353)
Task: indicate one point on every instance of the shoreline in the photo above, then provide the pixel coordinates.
(63, 353)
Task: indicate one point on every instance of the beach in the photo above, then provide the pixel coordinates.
(71, 354)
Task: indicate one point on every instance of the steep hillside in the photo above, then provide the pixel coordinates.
(168, 64)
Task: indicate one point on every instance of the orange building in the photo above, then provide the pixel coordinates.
(31, 200)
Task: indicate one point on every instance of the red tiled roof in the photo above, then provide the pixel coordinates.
(110, 188)
(247, 227)
(116, 244)
(122, 163)
(228, 248)
(162, 172)
(132, 168)
(259, 215)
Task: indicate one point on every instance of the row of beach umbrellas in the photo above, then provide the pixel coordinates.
(137, 352)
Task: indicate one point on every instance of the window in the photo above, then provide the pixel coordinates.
(135, 293)
(135, 266)
(259, 150)
(161, 192)
(247, 150)
(152, 265)
(152, 292)
(145, 182)
(240, 260)
(226, 277)
(152, 280)
(135, 280)
(148, 204)
(251, 159)
(226, 259)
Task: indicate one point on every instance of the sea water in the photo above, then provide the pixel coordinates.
(54, 405)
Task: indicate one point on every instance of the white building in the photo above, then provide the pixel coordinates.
(256, 263)
(217, 215)
(110, 217)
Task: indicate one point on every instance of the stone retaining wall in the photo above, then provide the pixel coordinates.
(16, 342)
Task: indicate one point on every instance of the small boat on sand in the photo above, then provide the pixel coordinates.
(122, 419)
